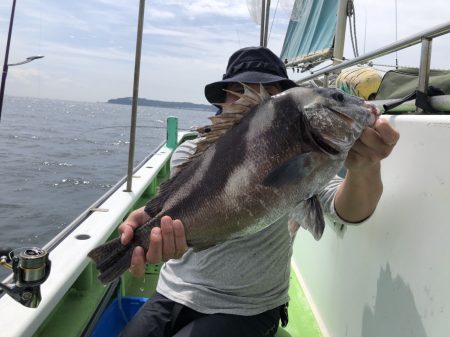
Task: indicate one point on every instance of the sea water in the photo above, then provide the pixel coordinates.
(58, 157)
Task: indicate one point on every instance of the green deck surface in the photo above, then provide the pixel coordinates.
(302, 322)
(73, 313)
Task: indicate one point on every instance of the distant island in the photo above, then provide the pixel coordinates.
(163, 104)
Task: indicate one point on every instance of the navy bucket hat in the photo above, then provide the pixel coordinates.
(250, 65)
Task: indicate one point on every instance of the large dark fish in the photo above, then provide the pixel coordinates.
(262, 158)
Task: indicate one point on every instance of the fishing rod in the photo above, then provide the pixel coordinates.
(5, 64)
(137, 67)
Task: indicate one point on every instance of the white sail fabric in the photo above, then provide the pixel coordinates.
(254, 9)
(311, 30)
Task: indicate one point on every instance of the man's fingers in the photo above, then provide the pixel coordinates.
(387, 133)
(137, 267)
(371, 138)
(131, 223)
(167, 233)
(154, 253)
(180, 238)
(377, 143)
(361, 151)
(126, 233)
(167, 242)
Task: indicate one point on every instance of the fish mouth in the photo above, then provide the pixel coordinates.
(324, 142)
(374, 113)
(373, 110)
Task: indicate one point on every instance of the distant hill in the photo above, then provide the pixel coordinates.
(163, 104)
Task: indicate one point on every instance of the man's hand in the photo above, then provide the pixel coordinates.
(167, 242)
(359, 193)
(375, 144)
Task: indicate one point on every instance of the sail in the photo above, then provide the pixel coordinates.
(311, 30)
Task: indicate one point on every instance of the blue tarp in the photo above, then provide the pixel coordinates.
(311, 28)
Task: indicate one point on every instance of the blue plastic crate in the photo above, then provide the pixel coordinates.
(114, 319)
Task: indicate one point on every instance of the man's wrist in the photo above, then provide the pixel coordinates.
(368, 172)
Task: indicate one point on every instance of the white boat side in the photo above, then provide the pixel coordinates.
(390, 275)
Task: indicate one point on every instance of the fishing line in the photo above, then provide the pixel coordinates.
(273, 19)
(126, 126)
(40, 49)
(365, 29)
(396, 35)
(351, 14)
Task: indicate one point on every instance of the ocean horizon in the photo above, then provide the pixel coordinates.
(59, 157)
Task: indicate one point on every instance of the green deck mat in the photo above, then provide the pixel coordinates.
(302, 322)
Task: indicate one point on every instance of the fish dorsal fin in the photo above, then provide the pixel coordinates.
(249, 98)
(231, 115)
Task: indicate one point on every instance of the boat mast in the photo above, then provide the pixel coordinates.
(339, 37)
(265, 10)
(137, 67)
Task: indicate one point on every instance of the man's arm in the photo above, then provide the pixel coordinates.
(359, 193)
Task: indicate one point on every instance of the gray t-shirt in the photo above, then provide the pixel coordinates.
(243, 276)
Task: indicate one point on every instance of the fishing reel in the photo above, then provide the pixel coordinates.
(31, 268)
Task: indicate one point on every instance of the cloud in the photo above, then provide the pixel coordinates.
(89, 45)
(160, 14)
(217, 8)
(172, 32)
(25, 75)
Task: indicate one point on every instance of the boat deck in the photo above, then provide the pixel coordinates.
(302, 321)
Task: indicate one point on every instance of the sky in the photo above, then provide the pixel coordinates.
(89, 45)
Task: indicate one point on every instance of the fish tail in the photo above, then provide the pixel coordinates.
(111, 259)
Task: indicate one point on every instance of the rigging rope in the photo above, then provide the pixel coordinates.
(273, 19)
(352, 27)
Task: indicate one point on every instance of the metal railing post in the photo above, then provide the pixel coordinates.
(325, 80)
(424, 70)
(172, 132)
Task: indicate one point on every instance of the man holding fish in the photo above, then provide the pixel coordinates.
(239, 287)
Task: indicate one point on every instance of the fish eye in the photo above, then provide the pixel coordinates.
(338, 96)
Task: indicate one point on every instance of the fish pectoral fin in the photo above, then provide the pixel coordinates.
(309, 215)
(291, 171)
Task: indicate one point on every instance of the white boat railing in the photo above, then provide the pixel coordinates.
(425, 37)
